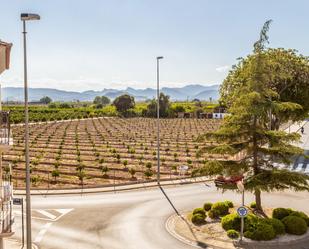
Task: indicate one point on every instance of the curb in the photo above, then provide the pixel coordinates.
(169, 226)
(299, 239)
(108, 189)
(170, 223)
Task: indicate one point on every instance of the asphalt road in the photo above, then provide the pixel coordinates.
(132, 219)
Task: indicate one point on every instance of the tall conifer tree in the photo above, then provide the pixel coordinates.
(247, 131)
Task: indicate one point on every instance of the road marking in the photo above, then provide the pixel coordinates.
(63, 212)
(47, 214)
(42, 232)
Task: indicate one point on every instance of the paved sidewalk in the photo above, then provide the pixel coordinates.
(112, 188)
(15, 244)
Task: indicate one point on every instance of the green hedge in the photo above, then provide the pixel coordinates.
(198, 219)
(200, 211)
(295, 225)
(213, 214)
(231, 222)
(277, 225)
(233, 234)
(301, 215)
(261, 231)
(207, 206)
(222, 207)
(280, 213)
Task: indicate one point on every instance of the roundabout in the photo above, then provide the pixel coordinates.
(130, 219)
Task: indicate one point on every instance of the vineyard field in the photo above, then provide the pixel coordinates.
(103, 151)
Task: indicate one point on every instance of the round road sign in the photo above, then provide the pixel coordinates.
(242, 211)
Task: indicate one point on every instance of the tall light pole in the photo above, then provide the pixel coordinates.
(158, 119)
(27, 17)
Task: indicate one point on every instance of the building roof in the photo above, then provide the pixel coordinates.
(5, 51)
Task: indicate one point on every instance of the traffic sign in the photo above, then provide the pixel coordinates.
(17, 201)
(242, 211)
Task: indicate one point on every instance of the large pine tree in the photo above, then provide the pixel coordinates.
(246, 132)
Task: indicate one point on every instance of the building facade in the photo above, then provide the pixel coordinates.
(6, 142)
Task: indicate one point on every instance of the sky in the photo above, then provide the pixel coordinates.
(83, 45)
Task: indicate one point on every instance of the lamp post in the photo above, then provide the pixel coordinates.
(158, 119)
(27, 17)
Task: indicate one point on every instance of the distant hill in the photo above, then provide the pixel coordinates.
(192, 91)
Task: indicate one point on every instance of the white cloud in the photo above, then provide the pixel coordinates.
(223, 69)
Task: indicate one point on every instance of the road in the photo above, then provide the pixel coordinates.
(131, 219)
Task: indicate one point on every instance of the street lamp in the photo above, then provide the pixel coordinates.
(158, 120)
(27, 17)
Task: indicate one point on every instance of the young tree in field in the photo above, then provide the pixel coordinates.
(247, 131)
(46, 100)
(132, 172)
(55, 173)
(104, 170)
(123, 103)
(81, 176)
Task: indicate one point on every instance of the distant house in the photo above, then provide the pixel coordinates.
(219, 112)
(5, 51)
(207, 115)
(184, 115)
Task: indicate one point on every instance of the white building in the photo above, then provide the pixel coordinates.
(6, 142)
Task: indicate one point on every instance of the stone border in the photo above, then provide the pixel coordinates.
(284, 240)
(169, 226)
(281, 241)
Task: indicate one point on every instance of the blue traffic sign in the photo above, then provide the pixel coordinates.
(242, 211)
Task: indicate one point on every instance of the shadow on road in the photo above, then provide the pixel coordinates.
(198, 243)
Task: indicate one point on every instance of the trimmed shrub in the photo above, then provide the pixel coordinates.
(222, 207)
(253, 204)
(207, 206)
(213, 214)
(280, 213)
(198, 219)
(295, 225)
(261, 231)
(200, 211)
(277, 225)
(301, 215)
(231, 222)
(233, 234)
(229, 203)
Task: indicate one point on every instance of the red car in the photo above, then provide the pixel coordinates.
(221, 180)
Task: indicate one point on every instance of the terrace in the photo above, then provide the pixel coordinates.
(6, 139)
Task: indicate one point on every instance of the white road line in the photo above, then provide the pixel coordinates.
(64, 210)
(42, 232)
(47, 214)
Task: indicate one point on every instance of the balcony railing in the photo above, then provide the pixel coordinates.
(5, 128)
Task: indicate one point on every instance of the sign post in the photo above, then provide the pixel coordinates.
(20, 202)
(242, 211)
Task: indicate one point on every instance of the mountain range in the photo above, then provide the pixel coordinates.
(188, 92)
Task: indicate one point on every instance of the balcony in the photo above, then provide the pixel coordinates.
(6, 139)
